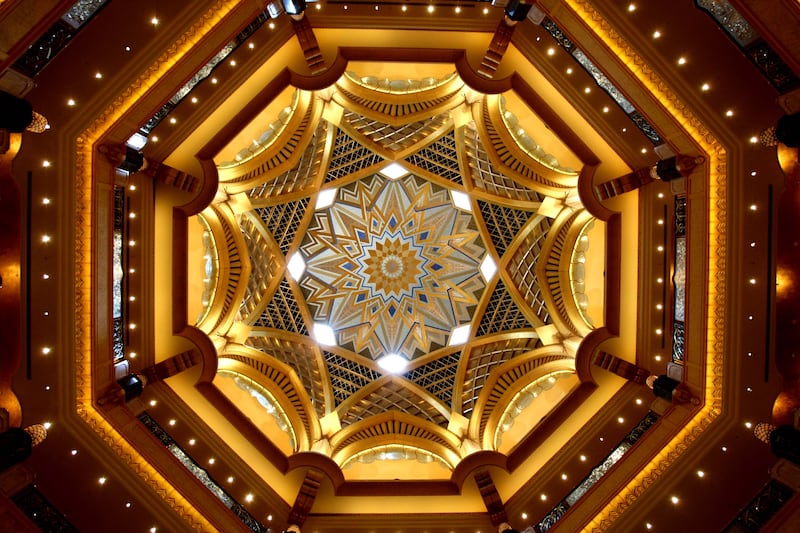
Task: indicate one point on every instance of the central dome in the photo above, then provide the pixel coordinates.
(393, 266)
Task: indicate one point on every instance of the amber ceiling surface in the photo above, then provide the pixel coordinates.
(406, 221)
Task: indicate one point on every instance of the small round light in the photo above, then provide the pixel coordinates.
(753, 207)
(621, 420)
(211, 461)
(192, 442)
(127, 505)
(233, 62)
(47, 425)
(98, 75)
(705, 87)
(631, 8)
(583, 457)
(249, 498)
(173, 120)
(71, 102)
(729, 113)
(543, 497)
(681, 60)
(45, 201)
(748, 425)
(551, 51)
(701, 474)
(45, 163)
(657, 358)
(753, 139)
(587, 90)
(638, 401)
(431, 9)
(752, 281)
(230, 479)
(46, 238)
(564, 477)
(73, 452)
(194, 99)
(153, 403)
(675, 500)
(131, 187)
(172, 422)
(102, 480)
(154, 21)
(656, 34)
(659, 306)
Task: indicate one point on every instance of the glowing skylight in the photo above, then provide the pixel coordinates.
(459, 335)
(324, 334)
(393, 363)
(461, 200)
(325, 198)
(488, 268)
(393, 171)
(296, 266)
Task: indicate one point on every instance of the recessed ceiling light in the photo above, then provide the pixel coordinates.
(569, 70)
(98, 75)
(488, 268)
(621, 420)
(459, 335)
(675, 499)
(194, 99)
(230, 479)
(431, 9)
(656, 34)
(233, 62)
(172, 422)
(249, 498)
(729, 113)
(211, 460)
(393, 363)
(753, 139)
(47, 425)
(583, 457)
(192, 442)
(296, 266)
(102, 480)
(154, 21)
(587, 90)
(543, 497)
(606, 109)
(681, 60)
(551, 51)
(705, 87)
(485, 10)
(253, 45)
(70, 102)
(153, 403)
(564, 477)
(393, 171)
(45, 201)
(631, 7)
(700, 473)
(458, 9)
(173, 120)
(74, 452)
(461, 200)
(324, 334)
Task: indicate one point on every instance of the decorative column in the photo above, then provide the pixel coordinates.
(491, 498)
(672, 168)
(515, 11)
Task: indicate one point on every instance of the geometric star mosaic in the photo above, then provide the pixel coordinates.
(392, 266)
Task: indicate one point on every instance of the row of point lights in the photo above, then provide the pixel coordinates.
(583, 458)
(682, 61)
(249, 497)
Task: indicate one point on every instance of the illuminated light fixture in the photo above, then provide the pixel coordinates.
(675, 500)
(173, 120)
(551, 51)
(102, 480)
(524, 516)
(132, 326)
(644, 150)
(45, 163)
(74, 453)
(660, 248)
(127, 48)
(564, 477)
(659, 306)
(748, 425)
(431, 9)
(681, 60)
(153, 529)
(155, 138)
(701, 474)
(230, 479)
(657, 358)
(272, 25)
(569, 70)
(605, 109)
(136, 141)
(724, 448)
(659, 331)
(71, 102)
(729, 113)
(660, 221)
(45, 201)
(46, 350)
(46, 238)
(324, 334)
(131, 243)
(154, 21)
(621, 420)
(153, 403)
(656, 34)
(249, 498)
(294, 7)
(393, 171)
(296, 266)
(638, 401)
(488, 268)
(253, 45)
(459, 335)
(233, 62)
(192, 442)
(485, 10)
(705, 87)
(543, 497)
(172, 422)
(661, 195)
(194, 99)
(325, 198)
(211, 461)
(648, 525)
(753, 139)
(631, 8)
(587, 90)
(393, 363)
(127, 505)
(47, 425)
(269, 516)
(132, 355)
(131, 215)
(754, 173)
(404, 8)
(752, 281)
(47, 388)
(461, 200)
(458, 9)
(98, 75)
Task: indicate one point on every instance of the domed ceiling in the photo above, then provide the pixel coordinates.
(392, 270)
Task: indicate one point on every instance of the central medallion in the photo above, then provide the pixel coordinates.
(392, 266)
